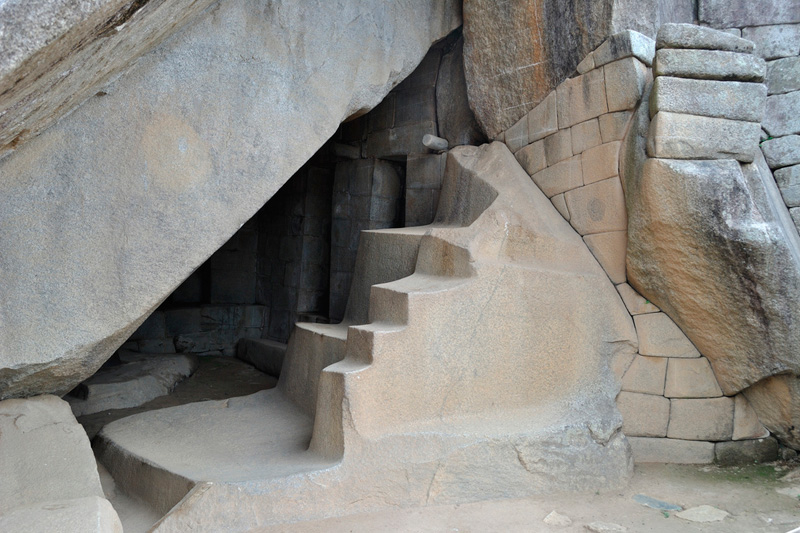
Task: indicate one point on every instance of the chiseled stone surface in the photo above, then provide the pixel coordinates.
(557, 147)
(625, 81)
(659, 336)
(783, 75)
(744, 452)
(614, 125)
(186, 154)
(646, 375)
(601, 162)
(581, 98)
(543, 119)
(745, 420)
(672, 35)
(656, 450)
(563, 176)
(635, 302)
(598, 207)
(691, 378)
(531, 157)
(701, 419)
(788, 180)
(585, 135)
(782, 152)
(90, 514)
(643, 415)
(738, 13)
(709, 98)
(609, 249)
(517, 135)
(774, 41)
(782, 116)
(680, 136)
(709, 65)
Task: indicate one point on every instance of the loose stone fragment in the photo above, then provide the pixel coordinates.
(557, 519)
(703, 513)
(605, 527)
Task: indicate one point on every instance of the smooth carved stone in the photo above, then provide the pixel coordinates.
(558, 147)
(782, 152)
(693, 36)
(625, 81)
(586, 65)
(691, 378)
(739, 13)
(706, 419)
(782, 40)
(517, 135)
(745, 420)
(532, 158)
(601, 162)
(561, 205)
(788, 179)
(722, 99)
(782, 116)
(614, 125)
(609, 249)
(543, 119)
(659, 336)
(643, 415)
(636, 304)
(91, 514)
(560, 177)
(597, 207)
(581, 98)
(585, 135)
(679, 136)
(646, 375)
(627, 43)
(709, 65)
(746, 452)
(783, 75)
(655, 450)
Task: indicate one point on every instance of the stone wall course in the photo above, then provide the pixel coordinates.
(775, 41)
(709, 65)
(701, 419)
(598, 207)
(691, 378)
(625, 82)
(646, 375)
(643, 415)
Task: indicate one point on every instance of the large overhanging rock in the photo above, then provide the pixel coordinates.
(516, 52)
(106, 212)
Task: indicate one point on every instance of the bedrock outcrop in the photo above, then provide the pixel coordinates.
(106, 212)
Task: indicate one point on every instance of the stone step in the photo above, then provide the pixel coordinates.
(264, 354)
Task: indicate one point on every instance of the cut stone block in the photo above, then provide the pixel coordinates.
(646, 375)
(184, 320)
(783, 75)
(628, 43)
(782, 152)
(795, 213)
(788, 179)
(745, 420)
(425, 171)
(679, 136)
(693, 36)
(739, 13)
(586, 65)
(609, 250)
(745, 452)
(517, 135)
(585, 135)
(543, 119)
(732, 100)
(709, 65)
(706, 419)
(655, 450)
(601, 162)
(691, 378)
(558, 147)
(79, 515)
(625, 81)
(635, 302)
(581, 98)
(597, 207)
(621, 362)
(532, 157)
(264, 354)
(614, 125)
(560, 177)
(643, 415)
(782, 116)
(561, 205)
(781, 40)
(659, 336)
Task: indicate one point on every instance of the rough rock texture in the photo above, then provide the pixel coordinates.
(738, 13)
(110, 209)
(54, 55)
(703, 239)
(455, 119)
(693, 36)
(775, 399)
(91, 514)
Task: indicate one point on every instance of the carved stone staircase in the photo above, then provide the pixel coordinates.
(472, 363)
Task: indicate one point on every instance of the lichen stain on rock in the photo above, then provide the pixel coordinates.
(175, 156)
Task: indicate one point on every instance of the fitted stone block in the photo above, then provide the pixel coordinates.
(746, 452)
(691, 378)
(674, 451)
(782, 152)
(627, 43)
(706, 419)
(561, 205)
(788, 179)
(585, 135)
(517, 135)
(746, 424)
(659, 336)
(601, 162)
(646, 375)
(625, 81)
(614, 125)
(635, 302)
(643, 415)
(581, 98)
(560, 177)
(609, 250)
(709, 65)
(693, 36)
(709, 98)
(425, 171)
(782, 116)
(532, 157)
(775, 41)
(543, 119)
(558, 147)
(586, 64)
(186, 320)
(783, 75)
(679, 136)
(739, 13)
(597, 207)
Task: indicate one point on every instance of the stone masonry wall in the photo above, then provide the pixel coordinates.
(672, 406)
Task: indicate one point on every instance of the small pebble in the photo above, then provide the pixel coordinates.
(605, 527)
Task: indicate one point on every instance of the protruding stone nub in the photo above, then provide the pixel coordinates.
(434, 143)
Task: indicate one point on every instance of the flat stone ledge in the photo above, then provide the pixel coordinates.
(680, 136)
(624, 44)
